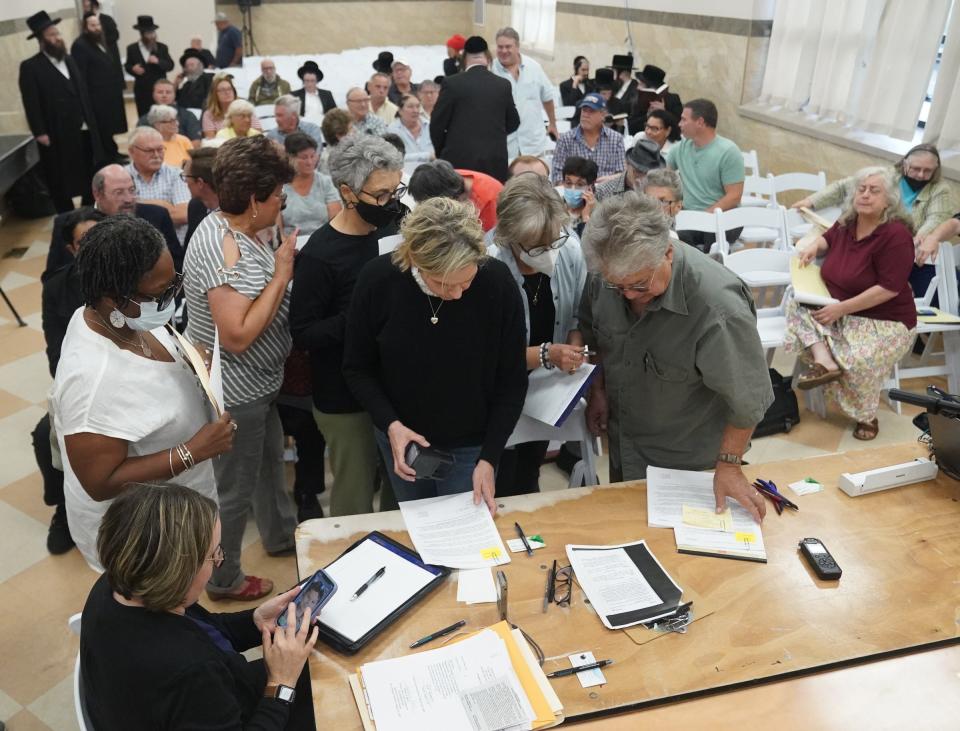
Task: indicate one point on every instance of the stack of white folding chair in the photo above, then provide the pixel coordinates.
(751, 169)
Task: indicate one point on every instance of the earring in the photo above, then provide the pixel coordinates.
(255, 213)
(117, 319)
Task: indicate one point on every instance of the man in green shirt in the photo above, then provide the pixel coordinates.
(684, 378)
(710, 166)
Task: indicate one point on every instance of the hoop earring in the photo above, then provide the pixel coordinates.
(117, 319)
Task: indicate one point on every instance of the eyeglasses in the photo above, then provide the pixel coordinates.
(383, 198)
(652, 128)
(361, 100)
(169, 294)
(218, 557)
(184, 177)
(563, 585)
(155, 151)
(644, 287)
(557, 244)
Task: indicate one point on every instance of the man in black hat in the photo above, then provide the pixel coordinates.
(650, 97)
(640, 159)
(147, 61)
(192, 84)
(105, 84)
(384, 63)
(111, 34)
(60, 115)
(474, 114)
(314, 101)
(268, 86)
(625, 86)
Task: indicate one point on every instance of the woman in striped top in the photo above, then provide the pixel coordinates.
(235, 282)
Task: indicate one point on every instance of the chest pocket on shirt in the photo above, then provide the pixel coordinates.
(666, 372)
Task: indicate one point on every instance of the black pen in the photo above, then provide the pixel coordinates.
(579, 669)
(439, 633)
(368, 582)
(523, 538)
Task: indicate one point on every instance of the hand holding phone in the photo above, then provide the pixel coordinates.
(316, 592)
(429, 463)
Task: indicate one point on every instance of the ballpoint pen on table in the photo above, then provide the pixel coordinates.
(769, 488)
(579, 669)
(546, 592)
(368, 582)
(439, 633)
(777, 505)
(526, 543)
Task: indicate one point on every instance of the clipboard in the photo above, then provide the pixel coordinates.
(347, 646)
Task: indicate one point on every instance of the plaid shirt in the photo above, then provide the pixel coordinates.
(165, 185)
(608, 154)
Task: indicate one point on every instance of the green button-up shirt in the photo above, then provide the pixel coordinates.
(680, 373)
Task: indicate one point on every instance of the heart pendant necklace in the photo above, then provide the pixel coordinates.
(434, 319)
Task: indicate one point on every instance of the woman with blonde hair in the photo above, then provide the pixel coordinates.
(435, 351)
(222, 94)
(238, 121)
(851, 345)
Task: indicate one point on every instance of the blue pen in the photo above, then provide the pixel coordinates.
(772, 488)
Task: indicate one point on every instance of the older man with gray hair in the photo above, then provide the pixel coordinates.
(366, 170)
(156, 182)
(364, 120)
(684, 378)
(286, 110)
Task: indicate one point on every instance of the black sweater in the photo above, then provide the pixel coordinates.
(323, 279)
(461, 382)
(156, 670)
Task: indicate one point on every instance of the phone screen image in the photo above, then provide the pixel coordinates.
(316, 592)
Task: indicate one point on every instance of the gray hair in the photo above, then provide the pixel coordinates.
(428, 84)
(139, 132)
(239, 106)
(528, 208)
(664, 178)
(161, 113)
(355, 157)
(508, 32)
(891, 188)
(626, 234)
(288, 102)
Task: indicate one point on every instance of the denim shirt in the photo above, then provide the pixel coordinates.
(566, 284)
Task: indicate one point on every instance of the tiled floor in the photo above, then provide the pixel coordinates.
(38, 592)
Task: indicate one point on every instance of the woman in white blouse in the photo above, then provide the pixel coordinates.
(413, 130)
(127, 406)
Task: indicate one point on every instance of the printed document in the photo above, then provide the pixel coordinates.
(669, 491)
(611, 580)
(451, 531)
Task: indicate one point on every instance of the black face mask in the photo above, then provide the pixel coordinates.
(915, 185)
(378, 216)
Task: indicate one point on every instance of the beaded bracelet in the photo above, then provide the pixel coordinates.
(545, 356)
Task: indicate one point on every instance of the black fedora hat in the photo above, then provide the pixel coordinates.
(310, 67)
(145, 22)
(604, 78)
(384, 62)
(653, 75)
(191, 53)
(39, 22)
(622, 62)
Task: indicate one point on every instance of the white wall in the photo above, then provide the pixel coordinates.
(179, 20)
(742, 9)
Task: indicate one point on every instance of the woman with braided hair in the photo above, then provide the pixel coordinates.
(127, 406)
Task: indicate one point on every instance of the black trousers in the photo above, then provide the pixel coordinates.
(519, 470)
(703, 240)
(309, 469)
(52, 477)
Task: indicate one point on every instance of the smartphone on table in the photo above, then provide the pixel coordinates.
(314, 594)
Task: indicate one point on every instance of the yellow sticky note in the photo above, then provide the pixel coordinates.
(704, 518)
(745, 537)
(489, 553)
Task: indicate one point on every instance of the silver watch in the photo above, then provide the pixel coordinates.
(730, 458)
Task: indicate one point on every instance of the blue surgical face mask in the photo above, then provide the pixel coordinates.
(573, 197)
(151, 317)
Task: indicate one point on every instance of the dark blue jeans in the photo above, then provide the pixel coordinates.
(460, 478)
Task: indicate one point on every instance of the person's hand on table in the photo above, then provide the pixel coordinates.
(287, 649)
(400, 437)
(729, 481)
(567, 358)
(265, 616)
(597, 411)
(484, 485)
(829, 314)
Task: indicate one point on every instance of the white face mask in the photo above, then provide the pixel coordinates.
(545, 263)
(150, 316)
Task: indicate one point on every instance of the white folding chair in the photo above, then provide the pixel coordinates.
(198, 113)
(565, 113)
(79, 694)
(772, 325)
(268, 123)
(760, 226)
(574, 429)
(760, 267)
(702, 221)
(751, 165)
(264, 110)
(808, 183)
(757, 192)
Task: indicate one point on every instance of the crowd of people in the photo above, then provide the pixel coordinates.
(512, 253)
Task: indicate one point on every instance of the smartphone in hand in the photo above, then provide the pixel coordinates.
(316, 592)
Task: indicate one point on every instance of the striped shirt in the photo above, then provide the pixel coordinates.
(609, 153)
(258, 371)
(165, 185)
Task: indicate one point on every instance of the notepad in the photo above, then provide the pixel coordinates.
(743, 544)
(808, 285)
(936, 316)
(552, 395)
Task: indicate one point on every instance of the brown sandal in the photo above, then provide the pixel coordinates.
(816, 375)
(866, 430)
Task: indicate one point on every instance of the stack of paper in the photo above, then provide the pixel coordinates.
(490, 680)
(685, 501)
(451, 531)
(552, 395)
(475, 586)
(808, 285)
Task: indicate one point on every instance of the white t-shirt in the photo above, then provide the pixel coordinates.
(102, 389)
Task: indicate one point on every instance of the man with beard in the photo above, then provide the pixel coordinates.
(110, 32)
(147, 61)
(193, 85)
(268, 87)
(60, 115)
(104, 79)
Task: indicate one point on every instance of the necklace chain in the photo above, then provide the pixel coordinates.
(536, 293)
(143, 345)
(433, 312)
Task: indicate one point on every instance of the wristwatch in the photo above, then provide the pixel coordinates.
(730, 458)
(281, 692)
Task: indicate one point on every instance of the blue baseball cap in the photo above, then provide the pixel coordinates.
(594, 101)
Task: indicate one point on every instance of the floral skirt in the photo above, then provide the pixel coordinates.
(866, 350)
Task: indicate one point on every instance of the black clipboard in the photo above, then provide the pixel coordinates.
(346, 646)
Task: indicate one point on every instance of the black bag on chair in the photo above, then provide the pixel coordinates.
(783, 412)
(29, 196)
